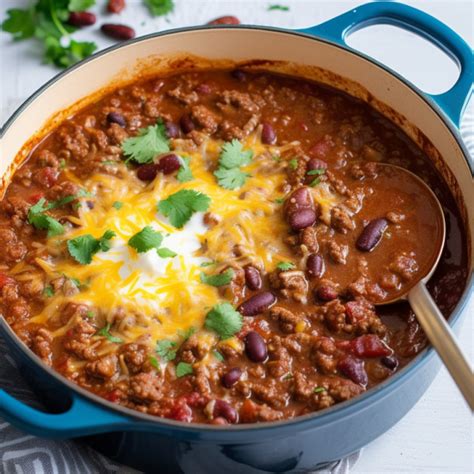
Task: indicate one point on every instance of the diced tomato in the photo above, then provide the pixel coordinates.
(322, 148)
(34, 198)
(357, 310)
(113, 396)
(369, 345)
(5, 280)
(248, 411)
(195, 400)
(344, 345)
(181, 411)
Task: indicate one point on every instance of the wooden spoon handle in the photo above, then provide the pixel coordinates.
(441, 336)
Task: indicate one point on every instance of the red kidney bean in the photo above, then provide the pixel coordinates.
(301, 198)
(371, 235)
(314, 265)
(316, 164)
(225, 20)
(203, 89)
(118, 32)
(268, 134)
(169, 164)
(238, 74)
(115, 117)
(257, 304)
(299, 220)
(255, 347)
(172, 130)
(147, 172)
(231, 377)
(326, 293)
(80, 19)
(187, 125)
(219, 421)
(115, 6)
(354, 369)
(369, 345)
(252, 278)
(391, 362)
(225, 410)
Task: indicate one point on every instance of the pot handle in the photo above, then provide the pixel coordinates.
(453, 101)
(81, 418)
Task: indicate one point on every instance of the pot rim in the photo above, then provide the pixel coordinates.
(325, 416)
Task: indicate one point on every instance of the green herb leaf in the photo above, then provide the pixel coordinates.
(159, 7)
(180, 206)
(20, 23)
(84, 247)
(164, 252)
(319, 389)
(40, 220)
(105, 332)
(149, 142)
(65, 56)
(224, 320)
(231, 179)
(280, 200)
(282, 8)
(90, 314)
(315, 182)
(293, 163)
(316, 172)
(146, 239)
(284, 266)
(48, 291)
(80, 5)
(62, 163)
(218, 355)
(154, 362)
(183, 368)
(288, 376)
(185, 335)
(117, 205)
(166, 349)
(220, 279)
(232, 157)
(184, 173)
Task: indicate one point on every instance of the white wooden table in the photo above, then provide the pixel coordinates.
(437, 435)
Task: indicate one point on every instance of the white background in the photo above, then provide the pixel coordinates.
(437, 435)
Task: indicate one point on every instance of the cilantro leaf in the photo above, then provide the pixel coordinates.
(84, 247)
(315, 182)
(65, 56)
(231, 179)
(319, 389)
(20, 23)
(284, 266)
(159, 7)
(38, 219)
(105, 332)
(207, 264)
(316, 172)
(164, 252)
(293, 163)
(180, 206)
(187, 334)
(183, 368)
(117, 205)
(224, 320)
(232, 155)
(149, 142)
(220, 279)
(146, 239)
(218, 355)
(166, 349)
(80, 5)
(282, 8)
(279, 200)
(184, 173)
(154, 362)
(48, 291)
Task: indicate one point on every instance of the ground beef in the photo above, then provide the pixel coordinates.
(309, 238)
(270, 393)
(146, 387)
(341, 220)
(134, 355)
(41, 345)
(252, 412)
(13, 250)
(102, 368)
(206, 119)
(279, 362)
(291, 284)
(78, 340)
(240, 100)
(338, 252)
(285, 318)
(193, 349)
(324, 354)
(186, 97)
(405, 266)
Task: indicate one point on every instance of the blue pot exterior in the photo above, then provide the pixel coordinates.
(295, 446)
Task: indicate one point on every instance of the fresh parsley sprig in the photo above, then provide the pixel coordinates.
(224, 320)
(232, 158)
(84, 247)
(46, 21)
(180, 206)
(148, 143)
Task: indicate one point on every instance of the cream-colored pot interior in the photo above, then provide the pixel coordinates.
(267, 49)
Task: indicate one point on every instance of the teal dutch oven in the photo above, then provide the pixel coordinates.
(320, 52)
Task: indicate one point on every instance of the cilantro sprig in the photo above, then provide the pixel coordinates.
(220, 279)
(148, 239)
(183, 368)
(38, 218)
(224, 320)
(285, 266)
(180, 206)
(166, 349)
(232, 158)
(105, 332)
(46, 21)
(84, 247)
(148, 143)
(159, 7)
(184, 173)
